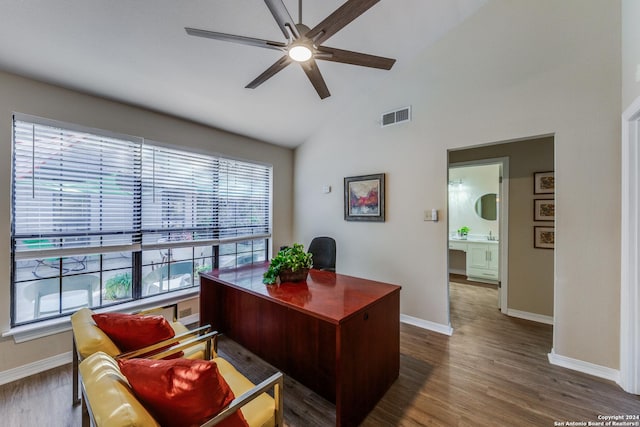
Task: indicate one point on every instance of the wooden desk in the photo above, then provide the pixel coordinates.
(336, 334)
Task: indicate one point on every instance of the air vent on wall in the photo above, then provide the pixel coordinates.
(395, 117)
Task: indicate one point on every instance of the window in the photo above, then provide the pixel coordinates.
(99, 219)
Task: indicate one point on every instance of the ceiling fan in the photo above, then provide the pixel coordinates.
(304, 45)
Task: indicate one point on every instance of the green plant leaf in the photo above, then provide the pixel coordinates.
(293, 258)
(120, 282)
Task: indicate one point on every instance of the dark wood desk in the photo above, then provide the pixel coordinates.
(336, 334)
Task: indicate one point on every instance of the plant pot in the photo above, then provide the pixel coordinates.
(288, 276)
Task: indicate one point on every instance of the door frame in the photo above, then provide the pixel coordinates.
(630, 251)
(503, 223)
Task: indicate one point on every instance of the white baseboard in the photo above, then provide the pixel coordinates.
(459, 271)
(29, 369)
(584, 367)
(425, 324)
(540, 318)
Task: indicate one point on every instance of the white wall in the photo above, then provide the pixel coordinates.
(466, 185)
(515, 69)
(630, 51)
(19, 94)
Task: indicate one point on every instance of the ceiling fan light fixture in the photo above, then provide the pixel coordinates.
(300, 53)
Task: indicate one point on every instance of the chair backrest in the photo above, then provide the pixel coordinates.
(88, 338)
(323, 250)
(110, 399)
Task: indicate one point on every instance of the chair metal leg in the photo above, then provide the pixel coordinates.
(279, 405)
(86, 416)
(75, 376)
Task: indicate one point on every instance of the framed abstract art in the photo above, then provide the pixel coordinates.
(364, 198)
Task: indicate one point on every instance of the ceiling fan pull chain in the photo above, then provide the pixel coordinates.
(299, 11)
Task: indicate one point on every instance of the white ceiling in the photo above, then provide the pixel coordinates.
(136, 51)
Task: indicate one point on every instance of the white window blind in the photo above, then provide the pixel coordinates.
(90, 208)
(73, 190)
(189, 197)
(243, 195)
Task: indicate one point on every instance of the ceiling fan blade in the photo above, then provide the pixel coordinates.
(354, 58)
(282, 17)
(236, 39)
(339, 19)
(270, 72)
(313, 72)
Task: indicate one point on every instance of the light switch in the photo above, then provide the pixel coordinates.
(431, 215)
(326, 189)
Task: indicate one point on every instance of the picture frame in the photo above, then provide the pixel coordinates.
(544, 237)
(544, 210)
(544, 183)
(364, 198)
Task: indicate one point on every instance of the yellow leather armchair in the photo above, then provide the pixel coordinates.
(89, 339)
(109, 400)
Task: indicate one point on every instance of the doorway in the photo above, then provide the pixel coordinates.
(478, 223)
(526, 269)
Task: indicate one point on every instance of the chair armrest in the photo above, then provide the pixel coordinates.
(207, 339)
(160, 310)
(177, 343)
(276, 381)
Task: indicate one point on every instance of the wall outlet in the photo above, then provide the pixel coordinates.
(184, 313)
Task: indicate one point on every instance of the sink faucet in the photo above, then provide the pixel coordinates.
(490, 238)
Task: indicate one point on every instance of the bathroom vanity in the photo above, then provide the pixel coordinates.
(482, 258)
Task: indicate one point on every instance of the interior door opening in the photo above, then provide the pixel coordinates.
(477, 221)
(525, 263)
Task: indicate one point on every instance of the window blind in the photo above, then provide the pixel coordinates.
(189, 197)
(89, 206)
(73, 190)
(243, 199)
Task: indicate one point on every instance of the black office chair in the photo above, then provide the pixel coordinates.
(323, 250)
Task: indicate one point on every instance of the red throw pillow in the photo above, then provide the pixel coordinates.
(133, 331)
(181, 392)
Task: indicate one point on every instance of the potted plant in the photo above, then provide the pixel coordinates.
(291, 264)
(118, 286)
(203, 267)
(463, 231)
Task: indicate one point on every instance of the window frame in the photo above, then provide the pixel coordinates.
(138, 246)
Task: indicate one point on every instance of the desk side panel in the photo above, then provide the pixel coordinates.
(368, 359)
(257, 324)
(311, 353)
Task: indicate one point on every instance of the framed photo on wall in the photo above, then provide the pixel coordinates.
(544, 237)
(544, 210)
(544, 183)
(364, 198)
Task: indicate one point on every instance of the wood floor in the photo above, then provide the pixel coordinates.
(493, 371)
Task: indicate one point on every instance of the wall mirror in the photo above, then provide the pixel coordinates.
(486, 206)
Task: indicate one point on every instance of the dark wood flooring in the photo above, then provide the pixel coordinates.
(493, 371)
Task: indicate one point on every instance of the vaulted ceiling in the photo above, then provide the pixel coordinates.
(137, 52)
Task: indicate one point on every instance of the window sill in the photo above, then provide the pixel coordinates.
(46, 328)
